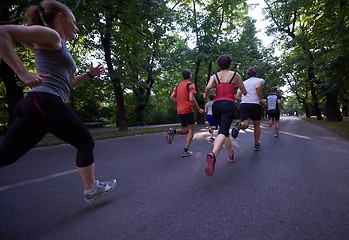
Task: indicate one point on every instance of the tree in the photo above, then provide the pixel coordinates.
(11, 12)
(312, 26)
(213, 23)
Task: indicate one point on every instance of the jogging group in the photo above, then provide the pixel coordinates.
(223, 88)
(44, 109)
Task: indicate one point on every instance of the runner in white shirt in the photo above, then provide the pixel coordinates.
(250, 107)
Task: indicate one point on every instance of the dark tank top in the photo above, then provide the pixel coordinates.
(60, 65)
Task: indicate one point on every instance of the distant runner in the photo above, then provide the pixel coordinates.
(184, 96)
(209, 117)
(274, 105)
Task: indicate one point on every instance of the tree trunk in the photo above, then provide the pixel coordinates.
(200, 119)
(142, 99)
(306, 109)
(332, 108)
(121, 119)
(142, 94)
(121, 109)
(311, 77)
(13, 91)
(304, 104)
(209, 73)
(345, 107)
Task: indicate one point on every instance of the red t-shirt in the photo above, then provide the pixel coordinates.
(184, 105)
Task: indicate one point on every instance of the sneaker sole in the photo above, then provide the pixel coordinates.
(103, 194)
(169, 138)
(209, 169)
(235, 133)
(233, 159)
(187, 155)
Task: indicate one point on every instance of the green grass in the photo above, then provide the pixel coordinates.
(340, 127)
(104, 133)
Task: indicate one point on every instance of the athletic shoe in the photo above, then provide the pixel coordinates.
(231, 158)
(236, 129)
(276, 135)
(256, 147)
(211, 161)
(210, 130)
(100, 189)
(170, 136)
(211, 140)
(187, 153)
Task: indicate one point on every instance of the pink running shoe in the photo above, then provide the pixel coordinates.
(211, 161)
(231, 158)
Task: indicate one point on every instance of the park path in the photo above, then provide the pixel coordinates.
(295, 187)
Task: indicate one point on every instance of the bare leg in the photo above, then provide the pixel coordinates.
(189, 136)
(257, 131)
(218, 144)
(228, 145)
(245, 123)
(277, 127)
(87, 176)
(182, 131)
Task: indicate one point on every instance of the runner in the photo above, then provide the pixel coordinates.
(209, 117)
(184, 96)
(44, 109)
(250, 107)
(223, 109)
(274, 105)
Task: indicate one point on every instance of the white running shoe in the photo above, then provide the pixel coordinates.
(100, 189)
(187, 153)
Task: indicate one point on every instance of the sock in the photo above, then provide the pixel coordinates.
(93, 189)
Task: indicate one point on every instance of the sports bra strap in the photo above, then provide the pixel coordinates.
(232, 78)
(219, 82)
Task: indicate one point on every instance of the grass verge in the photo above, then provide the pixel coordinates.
(105, 133)
(339, 127)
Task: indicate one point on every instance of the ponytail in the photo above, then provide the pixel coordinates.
(45, 13)
(35, 16)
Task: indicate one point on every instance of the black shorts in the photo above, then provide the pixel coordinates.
(274, 114)
(186, 119)
(250, 111)
(224, 112)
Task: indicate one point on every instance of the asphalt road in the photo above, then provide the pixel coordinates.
(295, 187)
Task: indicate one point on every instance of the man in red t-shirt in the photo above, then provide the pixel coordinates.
(184, 96)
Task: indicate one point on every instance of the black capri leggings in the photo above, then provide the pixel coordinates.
(224, 112)
(36, 115)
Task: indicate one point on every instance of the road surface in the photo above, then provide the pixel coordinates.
(295, 187)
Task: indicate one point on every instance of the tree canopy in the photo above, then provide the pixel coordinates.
(145, 45)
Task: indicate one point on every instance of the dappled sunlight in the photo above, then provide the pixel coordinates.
(296, 135)
(203, 129)
(202, 134)
(247, 130)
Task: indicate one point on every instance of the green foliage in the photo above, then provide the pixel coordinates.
(145, 45)
(315, 37)
(293, 107)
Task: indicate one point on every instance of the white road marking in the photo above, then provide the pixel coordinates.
(20, 184)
